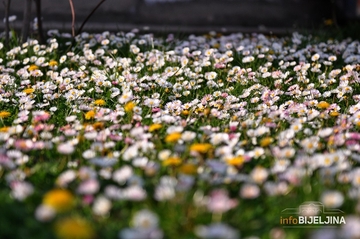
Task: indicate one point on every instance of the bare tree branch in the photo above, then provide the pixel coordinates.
(73, 18)
(88, 17)
(7, 26)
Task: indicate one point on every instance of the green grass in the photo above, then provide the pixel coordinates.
(49, 143)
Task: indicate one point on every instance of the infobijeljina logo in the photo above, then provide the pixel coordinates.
(311, 214)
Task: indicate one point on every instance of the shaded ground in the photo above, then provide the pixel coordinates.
(191, 15)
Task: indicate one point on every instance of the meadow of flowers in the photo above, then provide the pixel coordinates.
(135, 136)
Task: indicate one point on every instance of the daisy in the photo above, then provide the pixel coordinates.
(216, 230)
(65, 178)
(101, 206)
(332, 199)
(249, 191)
(259, 174)
(20, 190)
(125, 97)
(210, 75)
(219, 138)
(280, 165)
(164, 192)
(88, 187)
(219, 202)
(145, 219)
(310, 144)
(44, 213)
(153, 103)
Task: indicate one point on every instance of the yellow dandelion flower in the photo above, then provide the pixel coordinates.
(53, 63)
(85, 125)
(33, 67)
(172, 161)
(100, 102)
(4, 129)
(129, 106)
(28, 90)
(323, 105)
(243, 125)
(185, 112)
(189, 169)
(74, 228)
(236, 161)
(334, 113)
(199, 110)
(201, 147)
(4, 114)
(358, 124)
(98, 125)
(154, 127)
(266, 141)
(243, 142)
(207, 111)
(61, 200)
(173, 137)
(90, 115)
(328, 22)
(331, 140)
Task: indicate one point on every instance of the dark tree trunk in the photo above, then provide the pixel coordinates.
(7, 25)
(26, 22)
(39, 18)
